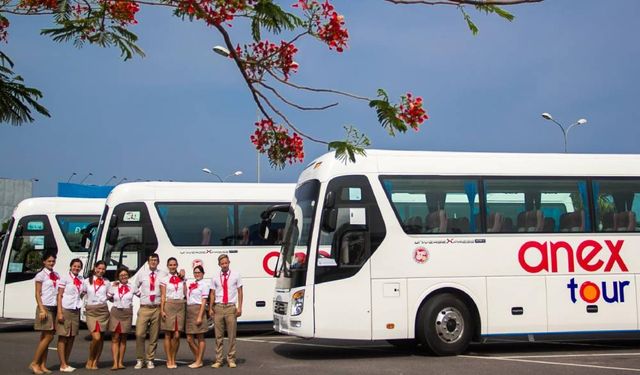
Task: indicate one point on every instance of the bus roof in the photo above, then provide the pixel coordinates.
(59, 205)
(440, 163)
(200, 191)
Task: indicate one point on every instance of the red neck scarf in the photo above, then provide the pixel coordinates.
(54, 277)
(122, 290)
(76, 281)
(175, 280)
(97, 283)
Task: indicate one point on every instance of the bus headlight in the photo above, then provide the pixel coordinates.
(297, 302)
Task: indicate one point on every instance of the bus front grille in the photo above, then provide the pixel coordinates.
(280, 307)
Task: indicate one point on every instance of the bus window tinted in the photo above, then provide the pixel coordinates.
(72, 226)
(33, 238)
(617, 205)
(430, 205)
(249, 225)
(542, 205)
(198, 224)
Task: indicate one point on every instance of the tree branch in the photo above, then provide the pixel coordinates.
(300, 107)
(288, 83)
(463, 2)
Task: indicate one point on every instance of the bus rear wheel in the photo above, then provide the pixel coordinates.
(445, 325)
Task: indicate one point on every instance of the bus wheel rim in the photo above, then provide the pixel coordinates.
(449, 325)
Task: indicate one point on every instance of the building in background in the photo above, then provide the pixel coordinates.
(13, 192)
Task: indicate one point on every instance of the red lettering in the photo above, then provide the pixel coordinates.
(588, 256)
(542, 249)
(555, 246)
(615, 256)
(585, 259)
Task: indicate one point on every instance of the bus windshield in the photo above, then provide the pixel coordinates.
(292, 263)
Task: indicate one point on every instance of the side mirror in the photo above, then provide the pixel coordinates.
(17, 243)
(112, 236)
(330, 199)
(87, 235)
(329, 219)
(114, 221)
(19, 230)
(265, 224)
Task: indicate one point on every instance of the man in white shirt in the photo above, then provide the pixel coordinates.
(147, 287)
(225, 307)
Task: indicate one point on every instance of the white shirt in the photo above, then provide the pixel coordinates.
(233, 283)
(122, 295)
(196, 291)
(71, 295)
(174, 287)
(49, 280)
(96, 292)
(145, 290)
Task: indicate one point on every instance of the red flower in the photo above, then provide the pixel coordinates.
(274, 140)
(411, 111)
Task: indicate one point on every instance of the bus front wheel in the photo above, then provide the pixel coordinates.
(445, 325)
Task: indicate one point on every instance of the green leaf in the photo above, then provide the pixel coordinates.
(387, 114)
(16, 99)
(354, 144)
(472, 26)
(270, 16)
(495, 9)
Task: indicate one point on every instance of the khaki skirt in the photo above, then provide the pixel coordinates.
(71, 324)
(49, 323)
(97, 318)
(120, 320)
(192, 314)
(175, 316)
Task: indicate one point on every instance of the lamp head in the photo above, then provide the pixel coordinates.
(547, 116)
(206, 170)
(237, 173)
(220, 50)
(582, 121)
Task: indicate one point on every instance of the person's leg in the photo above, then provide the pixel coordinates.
(141, 332)
(154, 331)
(167, 346)
(175, 346)
(115, 347)
(122, 350)
(98, 350)
(62, 351)
(192, 345)
(68, 347)
(48, 337)
(202, 345)
(218, 321)
(230, 322)
(93, 350)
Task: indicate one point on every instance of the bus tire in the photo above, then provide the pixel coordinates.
(445, 325)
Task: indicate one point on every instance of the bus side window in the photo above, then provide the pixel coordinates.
(617, 205)
(33, 237)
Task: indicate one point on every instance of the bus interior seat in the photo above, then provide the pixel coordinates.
(549, 225)
(606, 220)
(413, 225)
(436, 222)
(494, 222)
(572, 222)
(624, 221)
(530, 221)
(507, 225)
(458, 225)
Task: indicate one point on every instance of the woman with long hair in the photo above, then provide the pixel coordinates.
(197, 294)
(69, 305)
(97, 312)
(121, 316)
(172, 290)
(46, 293)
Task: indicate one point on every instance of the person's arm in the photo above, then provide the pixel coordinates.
(59, 298)
(239, 307)
(212, 299)
(42, 315)
(163, 295)
(201, 311)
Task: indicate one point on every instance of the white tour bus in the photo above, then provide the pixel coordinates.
(441, 248)
(195, 223)
(41, 225)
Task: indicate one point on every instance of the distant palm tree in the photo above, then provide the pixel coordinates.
(16, 98)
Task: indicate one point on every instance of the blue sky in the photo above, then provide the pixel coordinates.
(182, 108)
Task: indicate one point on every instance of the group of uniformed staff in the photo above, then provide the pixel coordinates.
(168, 301)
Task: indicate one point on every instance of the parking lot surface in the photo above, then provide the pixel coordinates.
(269, 353)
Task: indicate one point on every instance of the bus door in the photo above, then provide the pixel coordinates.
(351, 228)
(32, 238)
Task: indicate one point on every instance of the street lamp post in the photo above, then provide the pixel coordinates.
(70, 177)
(208, 171)
(565, 133)
(85, 177)
(109, 180)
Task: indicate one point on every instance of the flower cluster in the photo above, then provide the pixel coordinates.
(123, 11)
(265, 55)
(38, 4)
(275, 141)
(411, 111)
(4, 25)
(214, 12)
(326, 23)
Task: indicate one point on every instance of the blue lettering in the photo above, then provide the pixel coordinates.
(615, 292)
(572, 286)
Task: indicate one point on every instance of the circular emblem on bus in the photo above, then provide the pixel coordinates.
(421, 255)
